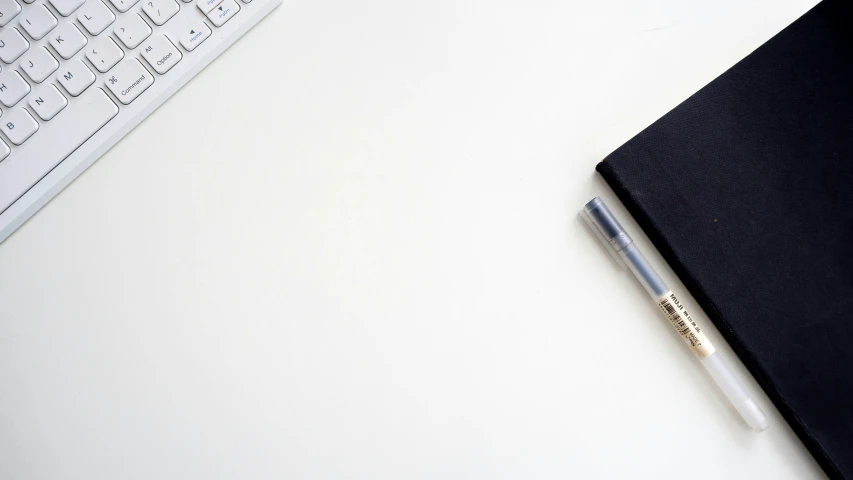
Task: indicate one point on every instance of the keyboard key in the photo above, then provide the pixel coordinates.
(66, 7)
(160, 11)
(223, 12)
(207, 5)
(104, 54)
(132, 30)
(47, 101)
(87, 115)
(18, 125)
(4, 150)
(195, 36)
(39, 64)
(37, 21)
(67, 40)
(123, 5)
(128, 80)
(12, 44)
(9, 9)
(76, 77)
(13, 88)
(95, 16)
(160, 53)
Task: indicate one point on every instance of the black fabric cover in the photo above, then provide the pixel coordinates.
(746, 189)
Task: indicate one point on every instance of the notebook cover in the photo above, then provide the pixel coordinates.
(746, 189)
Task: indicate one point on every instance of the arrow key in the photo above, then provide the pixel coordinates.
(104, 53)
(195, 36)
(221, 14)
(207, 5)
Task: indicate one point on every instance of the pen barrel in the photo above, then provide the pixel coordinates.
(734, 391)
(644, 272)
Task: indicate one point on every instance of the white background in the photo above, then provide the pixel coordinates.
(349, 249)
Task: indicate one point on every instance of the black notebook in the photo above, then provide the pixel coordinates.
(746, 189)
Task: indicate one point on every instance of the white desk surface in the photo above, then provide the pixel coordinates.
(368, 264)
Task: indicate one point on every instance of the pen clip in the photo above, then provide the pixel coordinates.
(600, 236)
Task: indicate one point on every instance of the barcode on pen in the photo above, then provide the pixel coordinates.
(674, 318)
(678, 317)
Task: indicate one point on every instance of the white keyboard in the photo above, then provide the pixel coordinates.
(77, 75)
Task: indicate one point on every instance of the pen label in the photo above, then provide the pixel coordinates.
(680, 319)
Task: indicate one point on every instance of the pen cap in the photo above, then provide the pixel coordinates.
(606, 225)
(599, 234)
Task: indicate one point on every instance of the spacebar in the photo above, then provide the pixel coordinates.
(55, 141)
